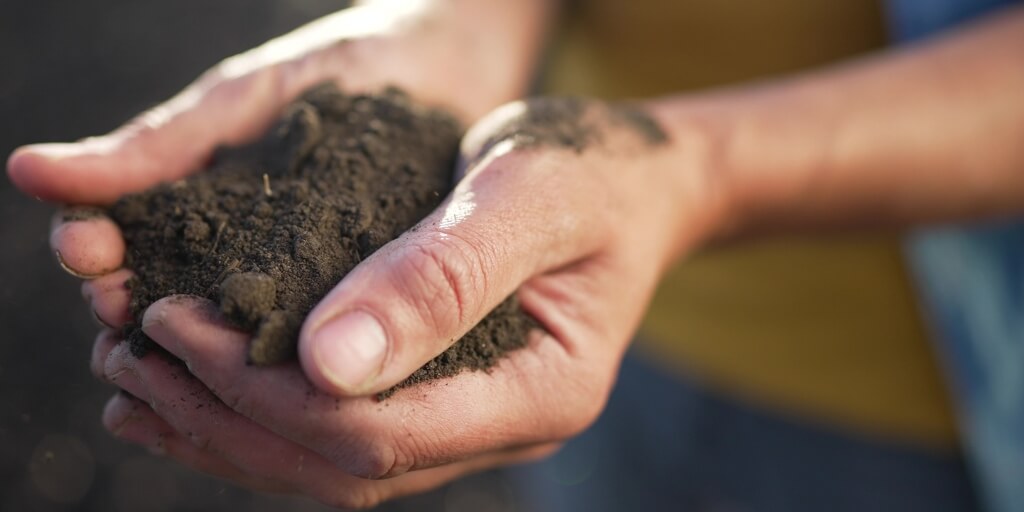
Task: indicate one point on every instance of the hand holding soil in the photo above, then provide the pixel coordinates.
(555, 202)
(271, 227)
(546, 208)
(567, 201)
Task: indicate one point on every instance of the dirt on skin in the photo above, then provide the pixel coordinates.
(575, 123)
(271, 227)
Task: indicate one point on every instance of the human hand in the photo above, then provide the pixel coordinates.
(578, 206)
(455, 54)
(428, 49)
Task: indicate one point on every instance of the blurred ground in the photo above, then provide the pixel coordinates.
(72, 69)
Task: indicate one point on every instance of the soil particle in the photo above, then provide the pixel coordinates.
(77, 213)
(266, 343)
(247, 298)
(268, 229)
(139, 344)
(637, 119)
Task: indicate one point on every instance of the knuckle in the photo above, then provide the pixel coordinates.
(360, 497)
(585, 396)
(585, 412)
(400, 462)
(441, 277)
(237, 399)
(586, 417)
(370, 459)
(371, 451)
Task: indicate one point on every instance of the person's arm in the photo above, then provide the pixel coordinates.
(930, 133)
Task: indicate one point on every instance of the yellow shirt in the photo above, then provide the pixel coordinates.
(824, 328)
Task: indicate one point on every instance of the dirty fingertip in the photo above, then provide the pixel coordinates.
(88, 248)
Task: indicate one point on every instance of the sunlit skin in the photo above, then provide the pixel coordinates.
(928, 134)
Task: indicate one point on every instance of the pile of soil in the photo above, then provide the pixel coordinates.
(271, 227)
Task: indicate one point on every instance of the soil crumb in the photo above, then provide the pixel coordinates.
(269, 228)
(80, 213)
(640, 121)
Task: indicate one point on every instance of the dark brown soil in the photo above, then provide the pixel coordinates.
(270, 228)
(70, 214)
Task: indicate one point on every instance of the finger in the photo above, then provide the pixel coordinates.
(210, 425)
(109, 297)
(130, 419)
(197, 421)
(146, 151)
(87, 247)
(163, 144)
(230, 104)
(105, 342)
(455, 419)
(413, 298)
(416, 482)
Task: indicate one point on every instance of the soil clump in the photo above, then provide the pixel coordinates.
(269, 228)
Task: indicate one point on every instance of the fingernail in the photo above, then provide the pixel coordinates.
(350, 349)
(119, 413)
(67, 268)
(74, 213)
(99, 320)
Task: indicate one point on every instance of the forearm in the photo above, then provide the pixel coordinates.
(931, 133)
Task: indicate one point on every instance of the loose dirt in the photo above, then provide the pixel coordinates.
(268, 229)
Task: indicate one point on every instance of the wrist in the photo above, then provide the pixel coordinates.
(695, 165)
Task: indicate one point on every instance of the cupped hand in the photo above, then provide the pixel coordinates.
(580, 216)
(578, 207)
(439, 51)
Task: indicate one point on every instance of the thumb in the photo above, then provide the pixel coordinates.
(224, 106)
(417, 295)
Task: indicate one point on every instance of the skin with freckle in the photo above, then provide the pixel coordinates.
(270, 228)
